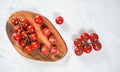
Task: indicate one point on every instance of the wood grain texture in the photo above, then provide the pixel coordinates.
(36, 54)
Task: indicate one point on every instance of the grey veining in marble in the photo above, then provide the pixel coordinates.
(100, 16)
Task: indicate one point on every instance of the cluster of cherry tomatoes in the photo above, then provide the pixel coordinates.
(27, 38)
(85, 43)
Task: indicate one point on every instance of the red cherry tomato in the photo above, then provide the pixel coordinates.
(54, 50)
(45, 50)
(78, 42)
(15, 20)
(78, 51)
(16, 36)
(84, 37)
(28, 48)
(52, 39)
(31, 29)
(33, 37)
(87, 48)
(38, 19)
(35, 45)
(17, 29)
(59, 20)
(24, 34)
(46, 32)
(97, 46)
(24, 23)
(22, 43)
(93, 37)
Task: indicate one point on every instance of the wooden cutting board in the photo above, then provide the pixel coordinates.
(36, 54)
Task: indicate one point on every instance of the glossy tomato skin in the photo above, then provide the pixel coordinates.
(22, 43)
(17, 29)
(28, 48)
(84, 37)
(78, 51)
(93, 37)
(97, 46)
(24, 23)
(35, 45)
(45, 50)
(78, 42)
(31, 29)
(46, 32)
(52, 39)
(59, 20)
(15, 20)
(24, 34)
(33, 37)
(16, 36)
(87, 48)
(38, 19)
(54, 50)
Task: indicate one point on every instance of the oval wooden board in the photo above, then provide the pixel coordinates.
(36, 54)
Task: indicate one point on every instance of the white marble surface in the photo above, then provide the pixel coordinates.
(101, 16)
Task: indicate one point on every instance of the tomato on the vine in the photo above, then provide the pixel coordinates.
(24, 34)
(22, 43)
(35, 45)
(87, 48)
(93, 37)
(17, 29)
(28, 48)
(97, 46)
(84, 37)
(15, 20)
(31, 29)
(78, 51)
(16, 36)
(78, 42)
(24, 23)
(33, 37)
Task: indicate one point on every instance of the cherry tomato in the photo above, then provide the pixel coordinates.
(78, 51)
(84, 37)
(97, 46)
(15, 20)
(24, 23)
(54, 50)
(45, 50)
(38, 19)
(46, 32)
(17, 29)
(35, 45)
(33, 37)
(78, 42)
(87, 48)
(52, 39)
(28, 48)
(59, 20)
(93, 37)
(31, 29)
(24, 34)
(16, 36)
(22, 43)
